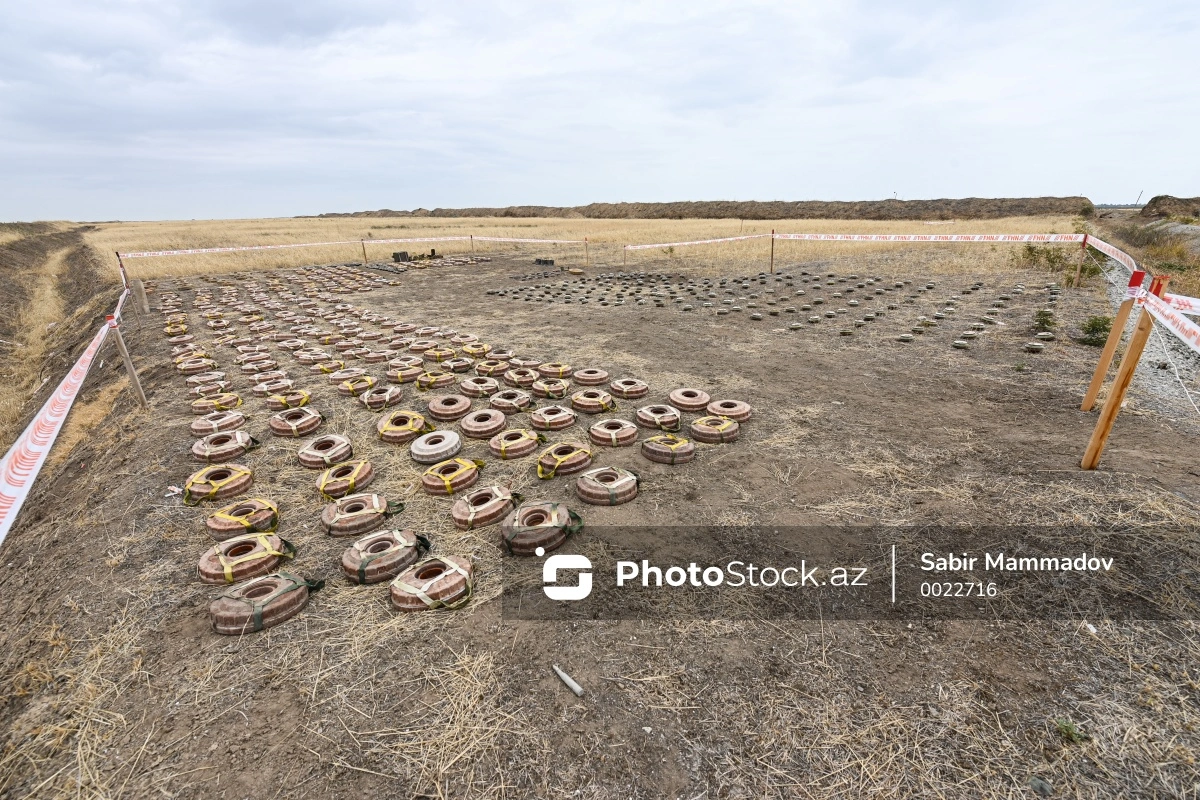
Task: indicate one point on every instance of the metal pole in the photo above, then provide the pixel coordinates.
(133, 376)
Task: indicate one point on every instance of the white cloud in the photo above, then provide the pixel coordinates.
(213, 108)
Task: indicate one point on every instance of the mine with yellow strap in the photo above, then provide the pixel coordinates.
(669, 441)
(526, 435)
(296, 399)
(226, 401)
(426, 379)
(716, 423)
(263, 539)
(356, 386)
(464, 465)
(351, 479)
(234, 471)
(546, 474)
(413, 422)
(246, 523)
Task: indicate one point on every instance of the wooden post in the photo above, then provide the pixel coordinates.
(472, 244)
(1110, 347)
(139, 294)
(363, 242)
(587, 260)
(133, 377)
(624, 255)
(1116, 396)
(1106, 357)
(772, 251)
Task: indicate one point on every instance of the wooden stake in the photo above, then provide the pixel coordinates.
(133, 376)
(587, 259)
(1106, 357)
(1116, 396)
(1110, 346)
(472, 244)
(624, 256)
(363, 242)
(772, 251)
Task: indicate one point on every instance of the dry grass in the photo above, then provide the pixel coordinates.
(605, 236)
(22, 373)
(64, 733)
(85, 415)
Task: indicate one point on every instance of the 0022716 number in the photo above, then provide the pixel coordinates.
(958, 589)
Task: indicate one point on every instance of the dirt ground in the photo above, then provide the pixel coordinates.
(116, 686)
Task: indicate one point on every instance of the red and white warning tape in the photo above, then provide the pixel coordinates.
(698, 241)
(199, 250)
(1045, 238)
(1114, 253)
(1173, 320)
(1178, 302)
(1188, 305)
(21, 464)
(247, 248)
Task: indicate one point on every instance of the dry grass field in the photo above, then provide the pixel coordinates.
(605, 238)
(117, 686)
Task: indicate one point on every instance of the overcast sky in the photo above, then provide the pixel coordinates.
(215, 108)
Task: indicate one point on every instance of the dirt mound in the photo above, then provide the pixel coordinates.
(964, 208)
(1164, 205)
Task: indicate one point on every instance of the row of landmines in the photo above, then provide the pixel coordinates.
(250, 546)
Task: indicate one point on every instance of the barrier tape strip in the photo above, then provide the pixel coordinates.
(1085, 239)
(1174, 321)
(1116, 254)
(199, 250)
(20, 465)
(245, 248)
(698, 241)
(1188, 305)
(1045, 238)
